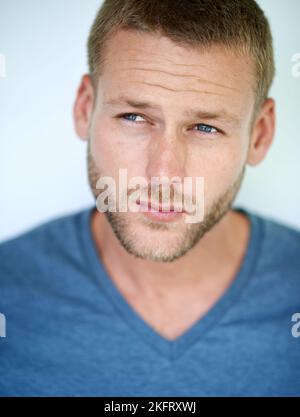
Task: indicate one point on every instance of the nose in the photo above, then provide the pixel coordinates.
(166, 156)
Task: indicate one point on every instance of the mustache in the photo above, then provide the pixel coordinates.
(161, 197)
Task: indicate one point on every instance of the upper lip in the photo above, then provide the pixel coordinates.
(159, 207)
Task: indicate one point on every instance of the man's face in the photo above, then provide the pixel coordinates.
(198, 125)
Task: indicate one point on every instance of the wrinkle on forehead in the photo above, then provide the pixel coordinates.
(192, 76)
(141, 51)
(138, 52)
(158, 63)
(169, 60)
(178, 90)
(163, 68)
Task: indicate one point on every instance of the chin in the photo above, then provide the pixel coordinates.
(156, 241)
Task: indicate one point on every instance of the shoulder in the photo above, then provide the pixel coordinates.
(43, 245)
(281, 243)
(278, 255)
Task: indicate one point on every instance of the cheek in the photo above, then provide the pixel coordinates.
(220, 165)
(112, 150)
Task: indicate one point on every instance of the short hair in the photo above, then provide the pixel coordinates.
(238, 25)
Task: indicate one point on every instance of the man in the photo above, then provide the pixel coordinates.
(143, 302)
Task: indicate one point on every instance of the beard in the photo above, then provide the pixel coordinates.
(162, 242)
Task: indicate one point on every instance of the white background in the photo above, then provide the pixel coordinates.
(43, 163)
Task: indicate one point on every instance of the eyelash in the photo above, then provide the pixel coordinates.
(123, 116)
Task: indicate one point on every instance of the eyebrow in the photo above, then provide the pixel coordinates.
(222, 115)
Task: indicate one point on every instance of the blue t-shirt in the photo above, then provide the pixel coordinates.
(70, 332)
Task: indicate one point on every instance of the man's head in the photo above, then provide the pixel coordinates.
(176, 89)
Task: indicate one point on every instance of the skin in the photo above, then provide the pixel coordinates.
(160, 267)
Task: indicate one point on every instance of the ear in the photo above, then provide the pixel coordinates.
(83, 107)
(262, 133)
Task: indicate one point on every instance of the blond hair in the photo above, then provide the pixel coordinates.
(239, 25)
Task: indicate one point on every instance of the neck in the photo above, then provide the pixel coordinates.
(214, 261)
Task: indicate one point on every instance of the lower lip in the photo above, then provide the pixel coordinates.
(163, 216)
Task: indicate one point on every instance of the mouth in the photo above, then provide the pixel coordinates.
(160, 212)
(158, 207)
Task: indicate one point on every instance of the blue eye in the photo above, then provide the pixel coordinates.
(130, 117)
(206, 128)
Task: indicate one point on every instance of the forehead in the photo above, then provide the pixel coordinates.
(142, 64)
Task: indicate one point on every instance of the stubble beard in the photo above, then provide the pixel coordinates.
(184, 238)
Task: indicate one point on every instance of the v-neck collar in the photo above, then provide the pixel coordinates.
(173, 349)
